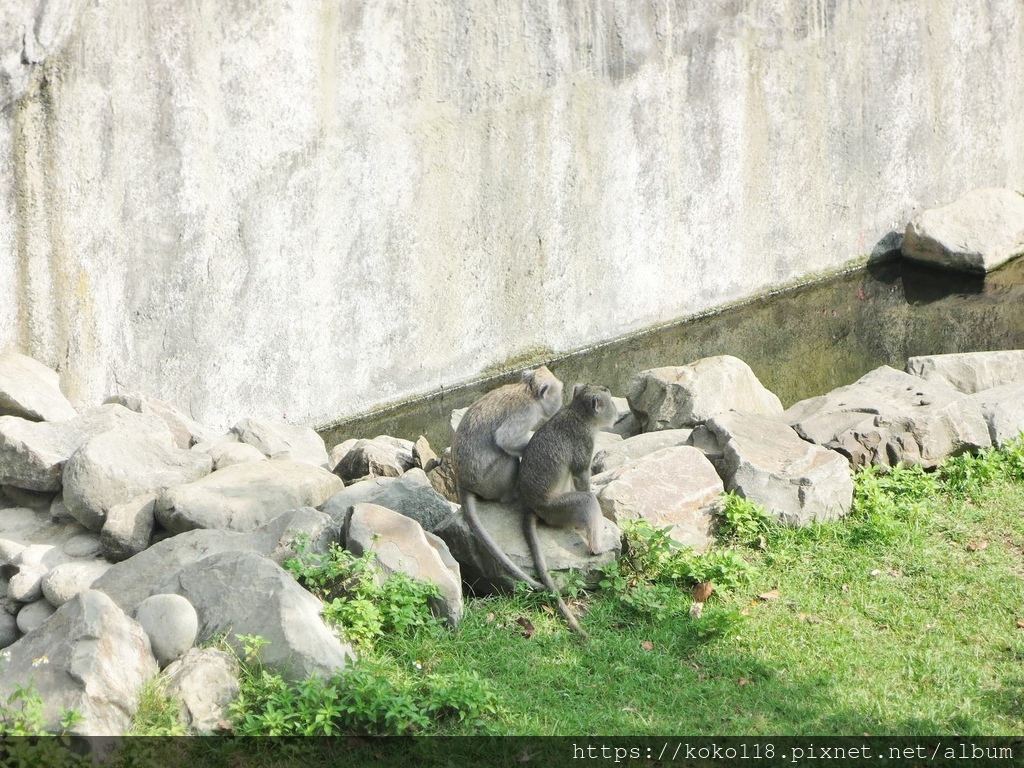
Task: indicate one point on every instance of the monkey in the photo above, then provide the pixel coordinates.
(554, 477)
(489, 441)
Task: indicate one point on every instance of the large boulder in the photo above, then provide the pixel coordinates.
(888, 416)
(88, 656)
(383, 456)
(411, 495)
(977, 233)
(563, 548)
(1003, 410)
(33, 454)
(128, 528)
(243, 497)
(117, 465)
(971, 372)
(205, 681)
(401, 545)
(277, 440)
(633, 448)
(765, 461)
(688, 395)
(244, 593)
(30, 390)
(675, 486)
(184, 430)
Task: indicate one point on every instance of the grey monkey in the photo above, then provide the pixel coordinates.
(489, 440)
(554, 477)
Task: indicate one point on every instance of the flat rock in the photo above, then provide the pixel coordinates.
(119, 464)
(277, 440)
(411, 495)
(226, 454)
(633, 448)
(888, 416)
(383, 456)
(338, 452)
(563, 548)
(205, 681)
(1003, 410)
(977, 233)
(245, 496)
(442, 478)
(675, 486)
(423, 456)
(244, 593)
(766, 462)
(30, 390)
(89, 657)
(184, 430)
(688, 395)
(83, 545)
(64, 581)
(971, 372)
(19, 497)
(33, 454)
(128, 528)
(170, 622)
(401, 545)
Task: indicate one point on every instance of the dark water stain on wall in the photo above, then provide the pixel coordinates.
(801, 342)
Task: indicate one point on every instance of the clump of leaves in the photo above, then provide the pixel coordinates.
(23, 715)
(743, 521)
(158, 713)
(885, 499)
(966, 476)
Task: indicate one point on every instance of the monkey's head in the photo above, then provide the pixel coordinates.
(596, 402)
(545, 388)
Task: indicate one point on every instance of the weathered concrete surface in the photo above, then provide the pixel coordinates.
(266, 209)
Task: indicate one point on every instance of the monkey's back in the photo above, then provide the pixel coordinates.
(474, 448)
(560, 448)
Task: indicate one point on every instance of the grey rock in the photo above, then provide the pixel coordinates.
(685, 396)
(675, 486)
(8, 629)
(563, 548)
(277, 440)
(83, 545)
(605, 440)
(64, 581)
(205, 681)
(227, 454)
(423, 455)
(338, 452)
(633, 448)
(117, 465)
(10, 551)
(34, 615)
(26, 586)
(245, 496)
(411, 495)
(766, 462)
(383, 456)
(19, 497)
(626, 425)
(47, 555)
(977, 233)
(401, 545)
(453, 422)
(971, 372)
(59, 511)
(243, 593)
(170, 622)
(30, 390)
(184, 430)
(442, 477)
(1003, 411)
(130, 582)
(888, 416)
(128, 528)
(33, 454)
(89, 657)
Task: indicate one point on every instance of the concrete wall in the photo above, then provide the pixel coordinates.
(305, 208)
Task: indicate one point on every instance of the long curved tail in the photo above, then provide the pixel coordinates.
(469, 505)
(530, 529)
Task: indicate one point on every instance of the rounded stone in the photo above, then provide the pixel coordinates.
(9, 550)
(66, 580)
(85, 545)
(34, 615)
(26, 586)
(8, 630)
(171, 623)
(35, 554)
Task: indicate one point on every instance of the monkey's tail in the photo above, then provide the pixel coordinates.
(530, 526)
(469, 505)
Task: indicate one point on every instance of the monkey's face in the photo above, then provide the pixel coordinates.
(598, 401)
(549, 391)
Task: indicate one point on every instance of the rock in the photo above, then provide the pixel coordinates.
(227, 454)
(117, 465)
(383, 456)
(10, 551)
(34, 615)
(766, 462)
(46, 555)
(401, 545)
(979, 232)
(89, 657)
(277, 440)
(423, 455)
(19, 497)
(563, 548)
(245, 496)
(626, 425)
(411, 495)
(8, 630)
(971, 372)
(453, 422)
(605, 440)
(633, 448)
(26, 586)
(888, 416)
(131, 581)
(83, 545)
(64, 581)
(243, 593)
(184, 430)
(128, 528)
(170, 622)
(30, 390)
(33, 454)
(338, 452)
(684, 396)
(442, 477)
(1003, 411)
(59, 511)
(205, 681)
(674, 486)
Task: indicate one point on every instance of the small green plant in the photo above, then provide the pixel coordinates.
(967, 475)
(743, 521)
(158, 713)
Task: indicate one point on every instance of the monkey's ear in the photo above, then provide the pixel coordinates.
(577, 389)
(528, 376)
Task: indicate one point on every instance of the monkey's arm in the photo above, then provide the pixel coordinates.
(581, 480)
(512, 437)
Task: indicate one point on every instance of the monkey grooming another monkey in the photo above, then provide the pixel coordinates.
(490, 439)
(554, 477)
